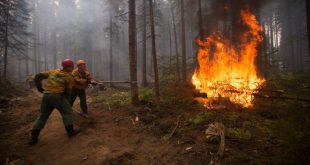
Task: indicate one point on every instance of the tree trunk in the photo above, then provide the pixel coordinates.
(6, 40)
(290, 37)
(45, 46)
(19, 70)
(183, 42)
(308, 23)
(144, 80)
(27, 65)
(35, 38)
(55, 48)
(271, 40)
(154, 55)
(200, 20)
(111, 46)
(176, 47)
(170, 46)
(133, 52)
(300, 48)
(265, 60)
(38, 45)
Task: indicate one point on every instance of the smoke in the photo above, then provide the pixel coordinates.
(225, 16)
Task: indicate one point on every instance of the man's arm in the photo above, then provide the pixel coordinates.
(90, 80)
(77, 78)
(38, 80)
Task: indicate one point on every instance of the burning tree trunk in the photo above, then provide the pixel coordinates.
(154, 55)
(133, 52)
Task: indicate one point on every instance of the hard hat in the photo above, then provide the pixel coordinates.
(79, 62)
(67, 63)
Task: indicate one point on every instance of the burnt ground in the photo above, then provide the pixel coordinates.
(118, 133)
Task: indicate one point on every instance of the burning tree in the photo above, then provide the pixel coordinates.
(226, 70)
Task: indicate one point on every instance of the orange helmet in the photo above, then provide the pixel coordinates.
(79, 62)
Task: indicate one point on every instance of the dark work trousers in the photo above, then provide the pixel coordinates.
(50, 101)
(81, 93)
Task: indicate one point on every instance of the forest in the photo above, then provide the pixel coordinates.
(164, 82)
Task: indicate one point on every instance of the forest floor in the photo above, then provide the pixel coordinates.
(118, 133)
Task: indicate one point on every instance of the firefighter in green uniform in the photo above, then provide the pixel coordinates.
(82, 79)
(56, 93)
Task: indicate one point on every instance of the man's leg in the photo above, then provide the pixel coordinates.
(83, 104)
(45, 111)
(66, 113)
(73, 96)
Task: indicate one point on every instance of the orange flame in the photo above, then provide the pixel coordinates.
(225, 72)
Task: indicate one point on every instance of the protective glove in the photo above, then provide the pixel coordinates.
(88, 81)
(93, 82)
(40, 89)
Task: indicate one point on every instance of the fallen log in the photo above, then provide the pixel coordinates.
(104, 82)
(279, 96)
(282, 98)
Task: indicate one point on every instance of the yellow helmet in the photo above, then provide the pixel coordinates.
(79, 62)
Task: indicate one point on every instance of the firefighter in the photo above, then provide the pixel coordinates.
(56, 93)
(82, 79)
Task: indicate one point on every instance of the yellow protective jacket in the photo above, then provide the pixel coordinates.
(58, 81)
(82, 79)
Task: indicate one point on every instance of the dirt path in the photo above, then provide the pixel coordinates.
(111, 138)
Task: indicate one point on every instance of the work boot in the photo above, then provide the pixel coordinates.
(34, 137)
(85, 114)
(71, 131)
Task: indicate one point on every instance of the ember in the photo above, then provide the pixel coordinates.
(226, 72)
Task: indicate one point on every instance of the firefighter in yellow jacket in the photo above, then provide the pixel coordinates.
(82, 79)
(56, 93)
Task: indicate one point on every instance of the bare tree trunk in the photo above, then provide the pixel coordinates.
(27, 62)
(200, 20)
(265, 60)
(133, 52)
(55, 48)
(271, 39)
(45, 46)
(154, 55)
(111, 46)
(6, 40)
(290, 37)
(170, 46)
(277, 38)
(176, 47)
(184, 67)
(38, 45)
(35, 38)
(308, 23)
(19, 70)
(300, 49)
(144, 80)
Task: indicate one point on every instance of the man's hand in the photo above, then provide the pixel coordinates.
(93, 82)
(40, 89)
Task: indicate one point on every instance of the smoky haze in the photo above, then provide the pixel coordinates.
(97, 31)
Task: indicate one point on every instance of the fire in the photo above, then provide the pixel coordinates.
(226, 72)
